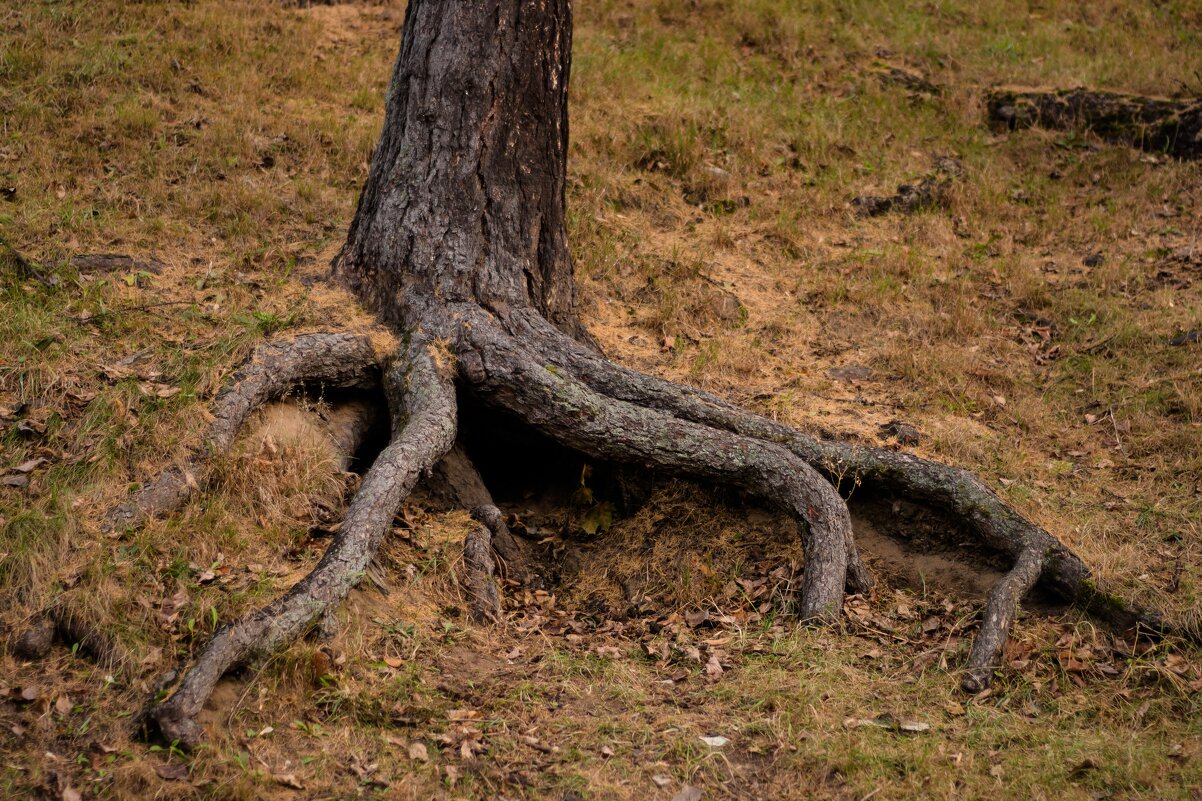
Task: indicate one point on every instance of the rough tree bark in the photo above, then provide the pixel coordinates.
(459, 244)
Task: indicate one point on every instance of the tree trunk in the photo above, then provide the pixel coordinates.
(465, 199)
(460, 235)
(459, 244)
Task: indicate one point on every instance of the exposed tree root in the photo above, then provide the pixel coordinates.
(456, 480)
(929, 193)
(94, 263)
(424, 406)
(570, 412)
(999, 614)
(460, 238)
(570, 393)
(912, 81)
(932, 191)
(955, 491)
(1157, 124)
(340, 361)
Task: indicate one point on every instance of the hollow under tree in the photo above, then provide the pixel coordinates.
(459, 245)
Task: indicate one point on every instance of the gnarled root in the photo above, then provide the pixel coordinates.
(424, 423)
(340, 361)
(572, 394)
(566, 409)
(952, 490)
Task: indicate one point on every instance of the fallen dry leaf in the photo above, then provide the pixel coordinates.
(688, 793)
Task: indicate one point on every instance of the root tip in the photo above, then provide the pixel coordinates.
(976, 680)
(174, 727)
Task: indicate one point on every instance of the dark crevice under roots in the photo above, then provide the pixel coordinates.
(515, 415)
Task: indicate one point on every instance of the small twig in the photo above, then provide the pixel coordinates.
(1097, 346)
(897, 637)
(1118, 440)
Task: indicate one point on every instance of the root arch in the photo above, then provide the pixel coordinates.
(568, 393)
(423, 399)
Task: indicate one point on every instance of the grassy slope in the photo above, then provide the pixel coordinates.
(228, 140)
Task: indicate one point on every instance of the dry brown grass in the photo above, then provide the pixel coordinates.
(715, 149)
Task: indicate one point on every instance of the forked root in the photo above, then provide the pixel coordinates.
(584, 402)
(564, 408)
(458, 483)
(336, 361)
(956, 492)
(423, 401)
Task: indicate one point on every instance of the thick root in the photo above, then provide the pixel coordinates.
(952, 490)
(424, 430)
(515, 558)
(1157, 124)
(341, 361)
(567, 410)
